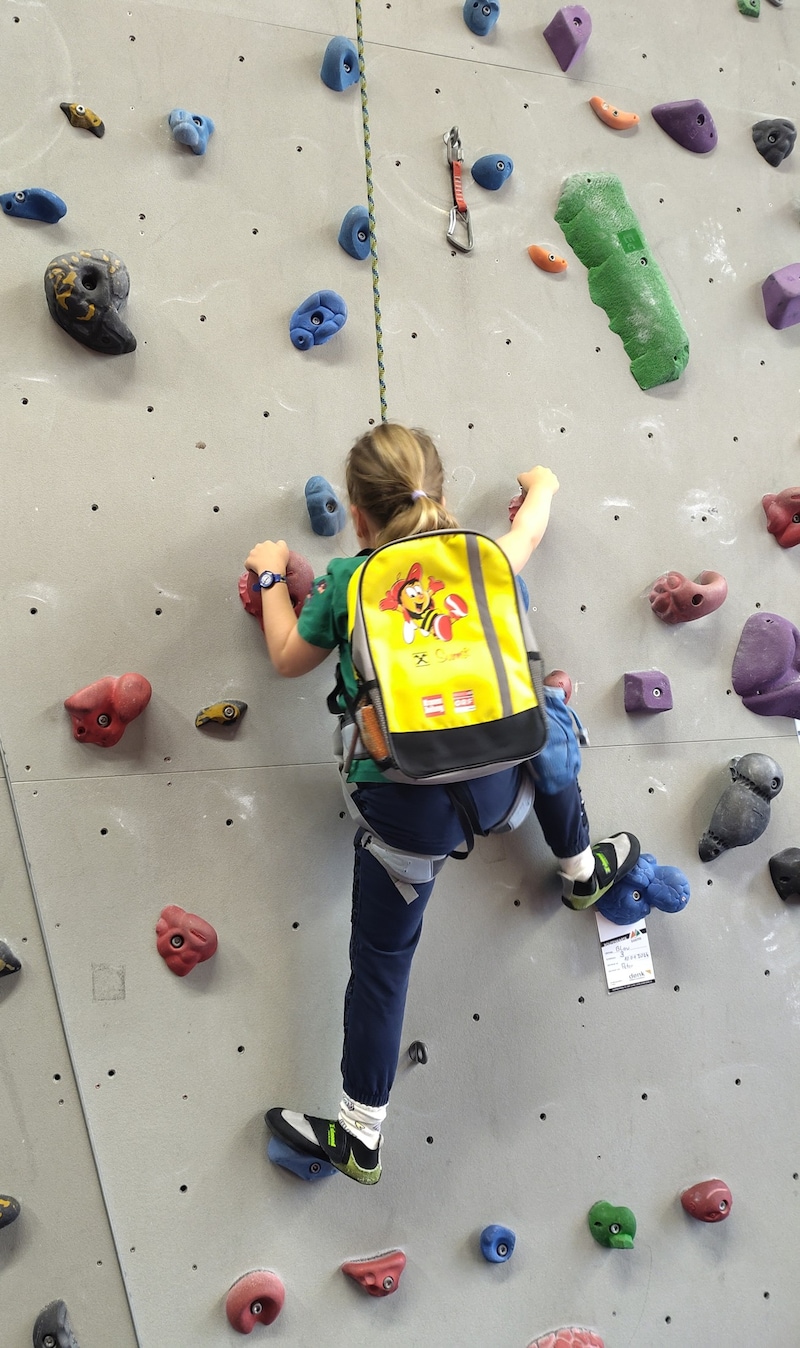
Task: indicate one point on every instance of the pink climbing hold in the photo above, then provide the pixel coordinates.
(184, 939)
(569, 1337)
(558, 678)
(674, 599)
(783, 516)
(380, 1276)
(257, 1298)
(299, 579)
(101, 711)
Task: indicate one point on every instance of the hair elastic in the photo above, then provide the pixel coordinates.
(415, 495)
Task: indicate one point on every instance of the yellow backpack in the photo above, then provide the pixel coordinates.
(448, 670)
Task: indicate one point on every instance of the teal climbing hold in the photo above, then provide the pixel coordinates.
(624, 277)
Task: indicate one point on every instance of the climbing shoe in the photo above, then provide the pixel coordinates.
(327, 1140)
(613, 858)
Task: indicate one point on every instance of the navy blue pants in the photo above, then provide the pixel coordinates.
(386, 929)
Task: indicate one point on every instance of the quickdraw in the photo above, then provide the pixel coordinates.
(459, 230)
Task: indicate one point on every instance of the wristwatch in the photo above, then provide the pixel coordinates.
(269, 578)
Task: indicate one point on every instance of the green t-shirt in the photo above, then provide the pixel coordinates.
(323, 622)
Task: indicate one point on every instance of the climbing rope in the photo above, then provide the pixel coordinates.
(373, 247)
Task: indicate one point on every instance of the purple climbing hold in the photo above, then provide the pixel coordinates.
(766, 666)
(567, 34)
(781, 292)
(688, 122)
(647, 690)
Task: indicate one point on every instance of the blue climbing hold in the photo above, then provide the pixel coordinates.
(647, 886)
(354, 233)
(189, 128)
(497, 1243)
(523, 594)
(491, 171)
(339, 64)
(480, 16)
(306, 1167)
(325, 510)
(317, 319)
(35, 203)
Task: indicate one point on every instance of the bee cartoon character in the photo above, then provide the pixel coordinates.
(416, 603)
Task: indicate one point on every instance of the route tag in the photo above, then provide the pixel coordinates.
(626, 954)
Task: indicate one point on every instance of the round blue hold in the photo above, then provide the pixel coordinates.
(491, 170)
(497, 1243)
(325, 511)
(354, 233)
(523, 594)
(480, 16)
(317, 319)
(339, 64)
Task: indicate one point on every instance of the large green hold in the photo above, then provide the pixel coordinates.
(624, 277)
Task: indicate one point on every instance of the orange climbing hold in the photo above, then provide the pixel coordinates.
(379, 1276)
(621, 121)
(545, 259)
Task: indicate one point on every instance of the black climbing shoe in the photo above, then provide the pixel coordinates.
(613, 858)
(327, 1140)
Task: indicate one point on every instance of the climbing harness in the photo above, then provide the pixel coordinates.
(459, 230)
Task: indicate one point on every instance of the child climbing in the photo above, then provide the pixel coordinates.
(407, 831)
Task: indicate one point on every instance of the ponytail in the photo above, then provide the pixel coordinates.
(394, 474)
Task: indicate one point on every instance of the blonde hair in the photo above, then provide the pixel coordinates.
(394, 474)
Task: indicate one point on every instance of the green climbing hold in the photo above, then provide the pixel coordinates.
(624, 277)
(752, 8)
(612, 1226)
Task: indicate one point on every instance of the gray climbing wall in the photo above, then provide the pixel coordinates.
(133, 489)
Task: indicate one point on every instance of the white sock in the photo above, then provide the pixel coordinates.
(578, 868)
(363, 1121)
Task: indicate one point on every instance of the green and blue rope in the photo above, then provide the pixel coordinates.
(373, 247)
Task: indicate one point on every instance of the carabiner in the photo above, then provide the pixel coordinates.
(459, 212)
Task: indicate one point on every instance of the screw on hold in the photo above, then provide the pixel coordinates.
(176, 941)
(256, 1308)
(49, 1341)
(418, 1052)
(388, 1284)
(103, 719)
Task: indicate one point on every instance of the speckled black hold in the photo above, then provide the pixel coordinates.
(53, 1328)
(774, 139)
(742, 811)
(9, 1210)
(784, 868)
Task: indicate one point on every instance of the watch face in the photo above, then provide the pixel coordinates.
(266, 580)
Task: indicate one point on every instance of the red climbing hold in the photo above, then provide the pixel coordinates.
(299, 579)
(674, 599)
(380, 1276)
(184, 940)
(710, 1201)
(257, 1297)
(101, 711)
(783, 516)
(570, 1337)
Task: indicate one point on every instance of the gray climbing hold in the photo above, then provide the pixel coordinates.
(774, 139)
(9, 964)
(742, 811)
(647, 690)
(53, 1328)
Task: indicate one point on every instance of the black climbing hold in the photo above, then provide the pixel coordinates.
(53, 1328)
(784, 868)
(9, 964)
(774, 139)
(742, 811)
(418, 1052)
